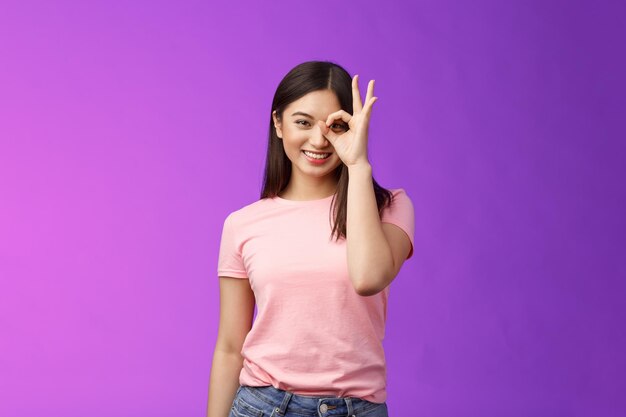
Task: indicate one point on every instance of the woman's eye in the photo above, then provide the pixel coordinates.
(298, 121)
(340, 126)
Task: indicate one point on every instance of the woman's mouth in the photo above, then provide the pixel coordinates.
(314, 155)
(316, 158)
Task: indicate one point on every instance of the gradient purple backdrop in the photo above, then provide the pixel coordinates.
(129, 130)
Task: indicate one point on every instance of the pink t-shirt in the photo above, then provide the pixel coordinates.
(313, 333)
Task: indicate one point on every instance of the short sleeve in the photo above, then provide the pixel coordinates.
(230, 261)
(401, 213)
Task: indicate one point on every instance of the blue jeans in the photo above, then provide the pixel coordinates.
(269, 401)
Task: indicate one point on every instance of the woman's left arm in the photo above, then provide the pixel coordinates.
(376, 251)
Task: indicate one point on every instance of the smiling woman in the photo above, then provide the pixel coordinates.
(315, 254)
(301, 134)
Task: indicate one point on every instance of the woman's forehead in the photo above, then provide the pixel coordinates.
(316, 103)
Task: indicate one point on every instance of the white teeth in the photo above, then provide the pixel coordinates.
(316, 156)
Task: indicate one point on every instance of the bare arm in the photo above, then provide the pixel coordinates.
(376, 251)
(236, 314)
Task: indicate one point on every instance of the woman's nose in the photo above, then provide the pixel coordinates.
(317, 138)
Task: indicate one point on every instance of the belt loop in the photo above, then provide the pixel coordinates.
(349, 404)
(283, 406)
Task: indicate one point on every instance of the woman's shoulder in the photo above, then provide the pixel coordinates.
(248, 211)
(401, 204)
(399, 190)
(400, 194)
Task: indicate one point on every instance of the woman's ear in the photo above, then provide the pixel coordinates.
(277, 125)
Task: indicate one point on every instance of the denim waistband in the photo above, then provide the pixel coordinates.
(326, 405)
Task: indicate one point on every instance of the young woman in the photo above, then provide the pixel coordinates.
(315, 254)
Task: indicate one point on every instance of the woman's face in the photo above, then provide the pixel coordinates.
(299, 132)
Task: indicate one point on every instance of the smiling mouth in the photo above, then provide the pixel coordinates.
(317, 155)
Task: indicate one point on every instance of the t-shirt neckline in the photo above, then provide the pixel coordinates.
(303, 202)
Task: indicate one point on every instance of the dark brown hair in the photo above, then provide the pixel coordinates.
(301, 80)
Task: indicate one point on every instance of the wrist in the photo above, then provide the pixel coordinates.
(360, 167)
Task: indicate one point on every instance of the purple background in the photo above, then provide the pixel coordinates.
(129, 130)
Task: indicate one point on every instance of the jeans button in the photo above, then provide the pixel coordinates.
(323, 408)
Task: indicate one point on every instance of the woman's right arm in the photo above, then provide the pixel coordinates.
(236, 315)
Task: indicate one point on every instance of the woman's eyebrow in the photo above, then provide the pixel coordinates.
(302, 114)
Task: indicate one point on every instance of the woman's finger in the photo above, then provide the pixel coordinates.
(339, 114)
(370, 91)
(367, 110)
(357, 106)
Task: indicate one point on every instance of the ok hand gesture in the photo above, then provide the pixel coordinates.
(351, 146)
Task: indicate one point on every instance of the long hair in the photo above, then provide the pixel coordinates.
(301, 80)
